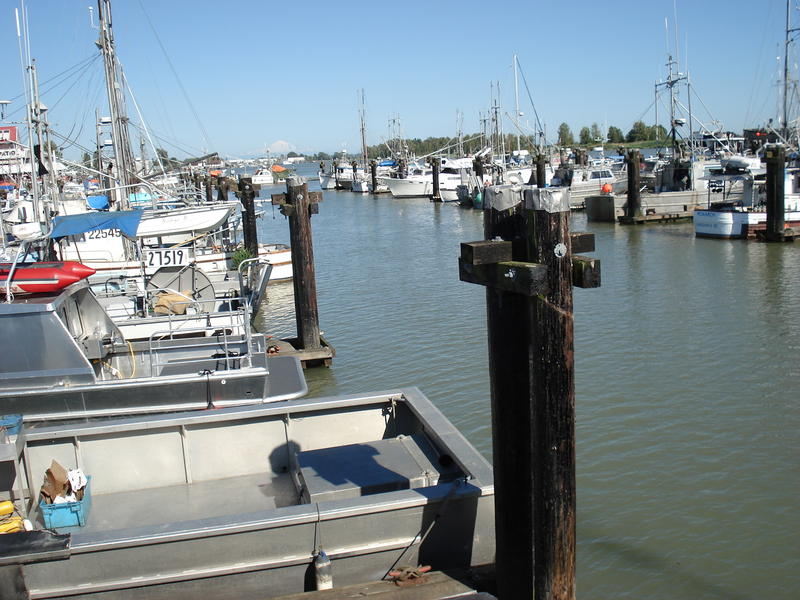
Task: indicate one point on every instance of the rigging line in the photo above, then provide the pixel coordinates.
(74, 83)
(83, 63)
(176, 146)
(530, 97)
(144, 125)
(177, 78)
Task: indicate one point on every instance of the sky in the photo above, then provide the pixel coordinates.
(247, 75)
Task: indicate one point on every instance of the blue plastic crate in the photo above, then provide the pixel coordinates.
(12, 423)
(68, 514)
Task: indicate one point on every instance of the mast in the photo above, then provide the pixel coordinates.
(124, 167)
(517, 114)
(363, 114)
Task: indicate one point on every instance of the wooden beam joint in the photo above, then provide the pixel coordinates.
(527, 279)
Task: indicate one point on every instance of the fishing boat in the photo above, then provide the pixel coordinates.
(263, 177)
(38, 277)
(70, 360)
(742, 217)
(239, 502)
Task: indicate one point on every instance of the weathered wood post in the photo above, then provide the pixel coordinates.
(298, 204)
(436, 195)
(373, 171)
(776, 202)
(207, 182)
(222, 189)
(529, 277)
(634, 205)
(541, 174)
(247, 197)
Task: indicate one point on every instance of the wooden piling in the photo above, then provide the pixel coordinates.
(634, 206)
(553, 398)
(541, 173)
(529, 277)
(298, 204)
(335, 168)
(373, 170)
(776, 206)
(208, 185)
(436, 196)
(507, 331)
(247, 198)
(222, 189)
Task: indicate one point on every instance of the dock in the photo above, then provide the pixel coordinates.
(673, 217)
(309, 357)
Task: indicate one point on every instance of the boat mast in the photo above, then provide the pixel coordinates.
(362, 113)
(517, 114)
(123, 168)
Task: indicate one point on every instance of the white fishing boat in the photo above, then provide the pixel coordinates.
(263, 177)
(743, 217)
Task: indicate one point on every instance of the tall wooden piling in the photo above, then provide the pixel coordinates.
(208, 186)
(541, 171)
(436, 196)
(373, 170)
(222, 189)
(776, 202)
(298, 204)
(335, 169)
(247, 197)
(553, 397)
(634, 205)
(529, 277)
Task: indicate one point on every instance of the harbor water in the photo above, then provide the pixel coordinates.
(687, 382)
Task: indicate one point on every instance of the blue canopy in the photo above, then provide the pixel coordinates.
(127, 221)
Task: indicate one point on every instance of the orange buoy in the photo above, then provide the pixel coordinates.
(607, 187)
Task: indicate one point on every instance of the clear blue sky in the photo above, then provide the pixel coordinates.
(258, 71)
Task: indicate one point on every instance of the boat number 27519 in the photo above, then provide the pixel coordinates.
(166, 257)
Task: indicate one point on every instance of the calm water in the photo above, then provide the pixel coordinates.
(687, 383)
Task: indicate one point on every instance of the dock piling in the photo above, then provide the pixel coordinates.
(373, 170)
(776, 200)
(247, 198)
(434, 162)
(634, 205)
(541, 175)
(298, 204)
(528, 269)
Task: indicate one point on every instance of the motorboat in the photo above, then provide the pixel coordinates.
(742, 217)
(263, 177)
(240, 502)
(71, 360)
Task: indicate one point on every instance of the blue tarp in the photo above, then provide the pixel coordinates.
(387, 163)
(98, 202)
(127, 221)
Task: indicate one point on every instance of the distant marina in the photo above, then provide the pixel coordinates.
(490, 366)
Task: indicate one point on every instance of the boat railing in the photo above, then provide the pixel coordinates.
(235, 349)
(254, 274)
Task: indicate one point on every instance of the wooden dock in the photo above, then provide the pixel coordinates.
(312, 357)
(656, 218)
(435, 585)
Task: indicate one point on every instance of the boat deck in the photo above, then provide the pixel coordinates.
(186, 502)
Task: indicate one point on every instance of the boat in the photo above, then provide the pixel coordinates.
(239, 502)
(38, 277)
(70, 361)
(263, 177)
(741, 218)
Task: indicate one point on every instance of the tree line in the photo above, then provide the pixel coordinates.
(639, 132)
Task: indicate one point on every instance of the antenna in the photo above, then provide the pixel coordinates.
(91, 18)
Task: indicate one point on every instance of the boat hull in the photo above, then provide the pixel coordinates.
(732, 224)
(231, 524)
